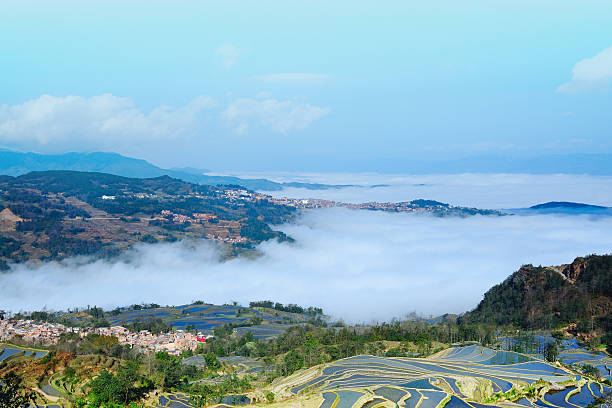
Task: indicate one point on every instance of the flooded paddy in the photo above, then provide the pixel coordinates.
(410, 381)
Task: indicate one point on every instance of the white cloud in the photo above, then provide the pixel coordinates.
(471, 190)
(358, 265)
(228, 54)
(280, 116)
(107, 122)
(293, 78)
(590, 73)
(99, 121)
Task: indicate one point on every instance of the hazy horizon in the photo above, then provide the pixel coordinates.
(376, 87)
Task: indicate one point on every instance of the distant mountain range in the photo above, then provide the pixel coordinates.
(18, 163)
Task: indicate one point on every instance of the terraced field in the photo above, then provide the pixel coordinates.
(245, 365)
(471, 376)
(240, 364)
(8, 353)
(174, 401)
(459, 377)
(581, 357)
(572, 353)
(205, 317)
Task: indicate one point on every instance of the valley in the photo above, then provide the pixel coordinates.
(270, 354)
(53, 215)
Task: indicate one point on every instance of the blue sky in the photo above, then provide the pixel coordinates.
(288, 85)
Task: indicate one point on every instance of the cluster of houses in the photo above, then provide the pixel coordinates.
(173, 342)
(241, 194)
(31, 331)
(43, 333)
(218, 230)
(304, 203)
(233, 194)
(181, 219)
(405, 206)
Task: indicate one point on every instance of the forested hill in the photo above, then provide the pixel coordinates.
(54, 214)
(539, 297)
(18, 163)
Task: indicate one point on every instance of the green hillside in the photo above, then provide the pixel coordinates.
(537, 297)
(54, 214)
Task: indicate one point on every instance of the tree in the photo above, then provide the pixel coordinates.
(107, 388)
(211, 361)
(127, 377)
(292, 361)
(169, 367)
(310, 345)
(202, 394)
(96, 312)
(558, 335)
(13, 393)
(551, 352)
(590, 370)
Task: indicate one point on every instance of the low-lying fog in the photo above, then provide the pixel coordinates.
(358, 265)
(472, 190)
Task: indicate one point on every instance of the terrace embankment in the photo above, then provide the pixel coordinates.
(459, 376)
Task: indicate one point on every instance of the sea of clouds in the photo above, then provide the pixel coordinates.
(472, 190)
(361, 266)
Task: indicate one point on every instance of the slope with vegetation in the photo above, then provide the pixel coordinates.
(576, 295)
(56, 214)
(317, 363)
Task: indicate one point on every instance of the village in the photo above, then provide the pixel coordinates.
(405, 206)
(44, 334)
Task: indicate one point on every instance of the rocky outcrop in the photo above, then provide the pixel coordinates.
(8, 220)
(574, 270)
(7, 215)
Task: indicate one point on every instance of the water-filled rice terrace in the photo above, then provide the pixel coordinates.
(205, 317)
(174, 401)
(8, 353)
(580, 356)
(571, 352)
(471, 376)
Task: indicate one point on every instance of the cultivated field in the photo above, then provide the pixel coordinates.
(471, 376)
